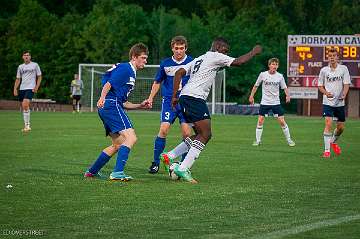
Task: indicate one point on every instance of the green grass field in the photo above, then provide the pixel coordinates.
(271, 191)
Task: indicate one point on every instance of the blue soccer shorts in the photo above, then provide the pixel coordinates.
(168, 114)
(276, 110)
(335, 112)
(114, 117)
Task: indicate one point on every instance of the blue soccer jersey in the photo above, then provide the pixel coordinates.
(166, 74)
(122, 79)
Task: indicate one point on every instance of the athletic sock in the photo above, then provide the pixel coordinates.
(258, 132)
(26, 116)
(74, 107)
(159, 146)
(99, 163)
(181, 149)
(286, 132)
(122, 157)
(334, 136)
(192, 155)
(327, 138)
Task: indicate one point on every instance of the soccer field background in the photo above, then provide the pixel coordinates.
(271, 191)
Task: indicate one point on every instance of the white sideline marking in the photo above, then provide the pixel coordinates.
(305, 228)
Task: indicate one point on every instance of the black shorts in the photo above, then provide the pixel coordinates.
(194, 109)
(26, 94)
(76, 97)
(276, 110)
(338, 113)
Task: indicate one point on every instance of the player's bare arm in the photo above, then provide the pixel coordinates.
(177, 79)
(131, 106)
(345, 91)
(154, 90)
(253, 92)
(104, 92)
(286, 90)
(16, 86)
(244, 58)
(38, 82)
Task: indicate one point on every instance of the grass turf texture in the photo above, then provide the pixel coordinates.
(271, 191)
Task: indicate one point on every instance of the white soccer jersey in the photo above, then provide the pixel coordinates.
(270, 87)
(333, 81)
(27, 73)
(76, 87)
(202, 72)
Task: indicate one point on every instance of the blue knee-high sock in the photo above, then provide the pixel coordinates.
(159, 146)
(99, 163)
(122, 157)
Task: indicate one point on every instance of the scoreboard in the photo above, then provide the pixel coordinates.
(307, 54)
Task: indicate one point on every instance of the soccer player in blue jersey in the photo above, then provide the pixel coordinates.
(164, 79)
(117, 83)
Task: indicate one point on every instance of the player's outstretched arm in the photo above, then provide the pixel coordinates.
(131, 106)
(244, 58)
(154, 90)
(176, 84)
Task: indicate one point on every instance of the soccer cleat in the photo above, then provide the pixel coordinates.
(186, 174)
(154, 168)
(120, 176)
(291, 143)
(167, 160)
(256, 143)
(26, 129)
(336, 148)
(326, 154)
(87, 174)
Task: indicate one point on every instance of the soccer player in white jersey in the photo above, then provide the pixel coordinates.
(334, 83)
(76, 87)
(29, 78)
(271, 81)
(192, 101)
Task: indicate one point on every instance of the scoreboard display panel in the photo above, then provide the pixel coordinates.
(307, 54)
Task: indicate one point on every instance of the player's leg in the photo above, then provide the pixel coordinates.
(105, 155)
(286, 131)
(74, 103)
(259, 130)
(340, 126)
(79, 103)
(328, 113)
(123, 155)
(25, 105)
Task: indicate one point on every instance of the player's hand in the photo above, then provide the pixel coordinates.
(71, 96)
(100, 103)
(150, 102)
(251, 100)
(174, 102)
(257, 49)
(145, 104)
(15, 92)
(287, 99)
(329, 95)
(35, 90)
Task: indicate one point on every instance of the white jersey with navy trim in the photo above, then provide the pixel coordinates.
(270, 87)
(333, 81)
(203, 71)
(27, 73)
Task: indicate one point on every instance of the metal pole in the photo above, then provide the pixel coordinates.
(213, 98)
(224, 93)
(92, 90)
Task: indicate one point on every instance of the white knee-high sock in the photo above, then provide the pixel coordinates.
(286, 132)
(181, 148)
(26, 116)
(327, 138)
(192, 155)
(258, 132)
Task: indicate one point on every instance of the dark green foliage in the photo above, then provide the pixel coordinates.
(63, 33)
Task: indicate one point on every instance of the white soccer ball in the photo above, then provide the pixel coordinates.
(172, 174)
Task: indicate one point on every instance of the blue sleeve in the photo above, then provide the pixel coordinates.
(161, 75)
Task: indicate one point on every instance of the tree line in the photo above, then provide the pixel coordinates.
(63, 33)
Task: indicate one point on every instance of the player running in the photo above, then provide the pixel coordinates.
(168, 115)
(118, 82)
(271, 81)
(192, 101)
(334, 83)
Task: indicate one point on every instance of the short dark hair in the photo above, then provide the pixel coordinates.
(219, 41)
(332, 50)
(26, 51)
(138, 49)
(178, 40)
